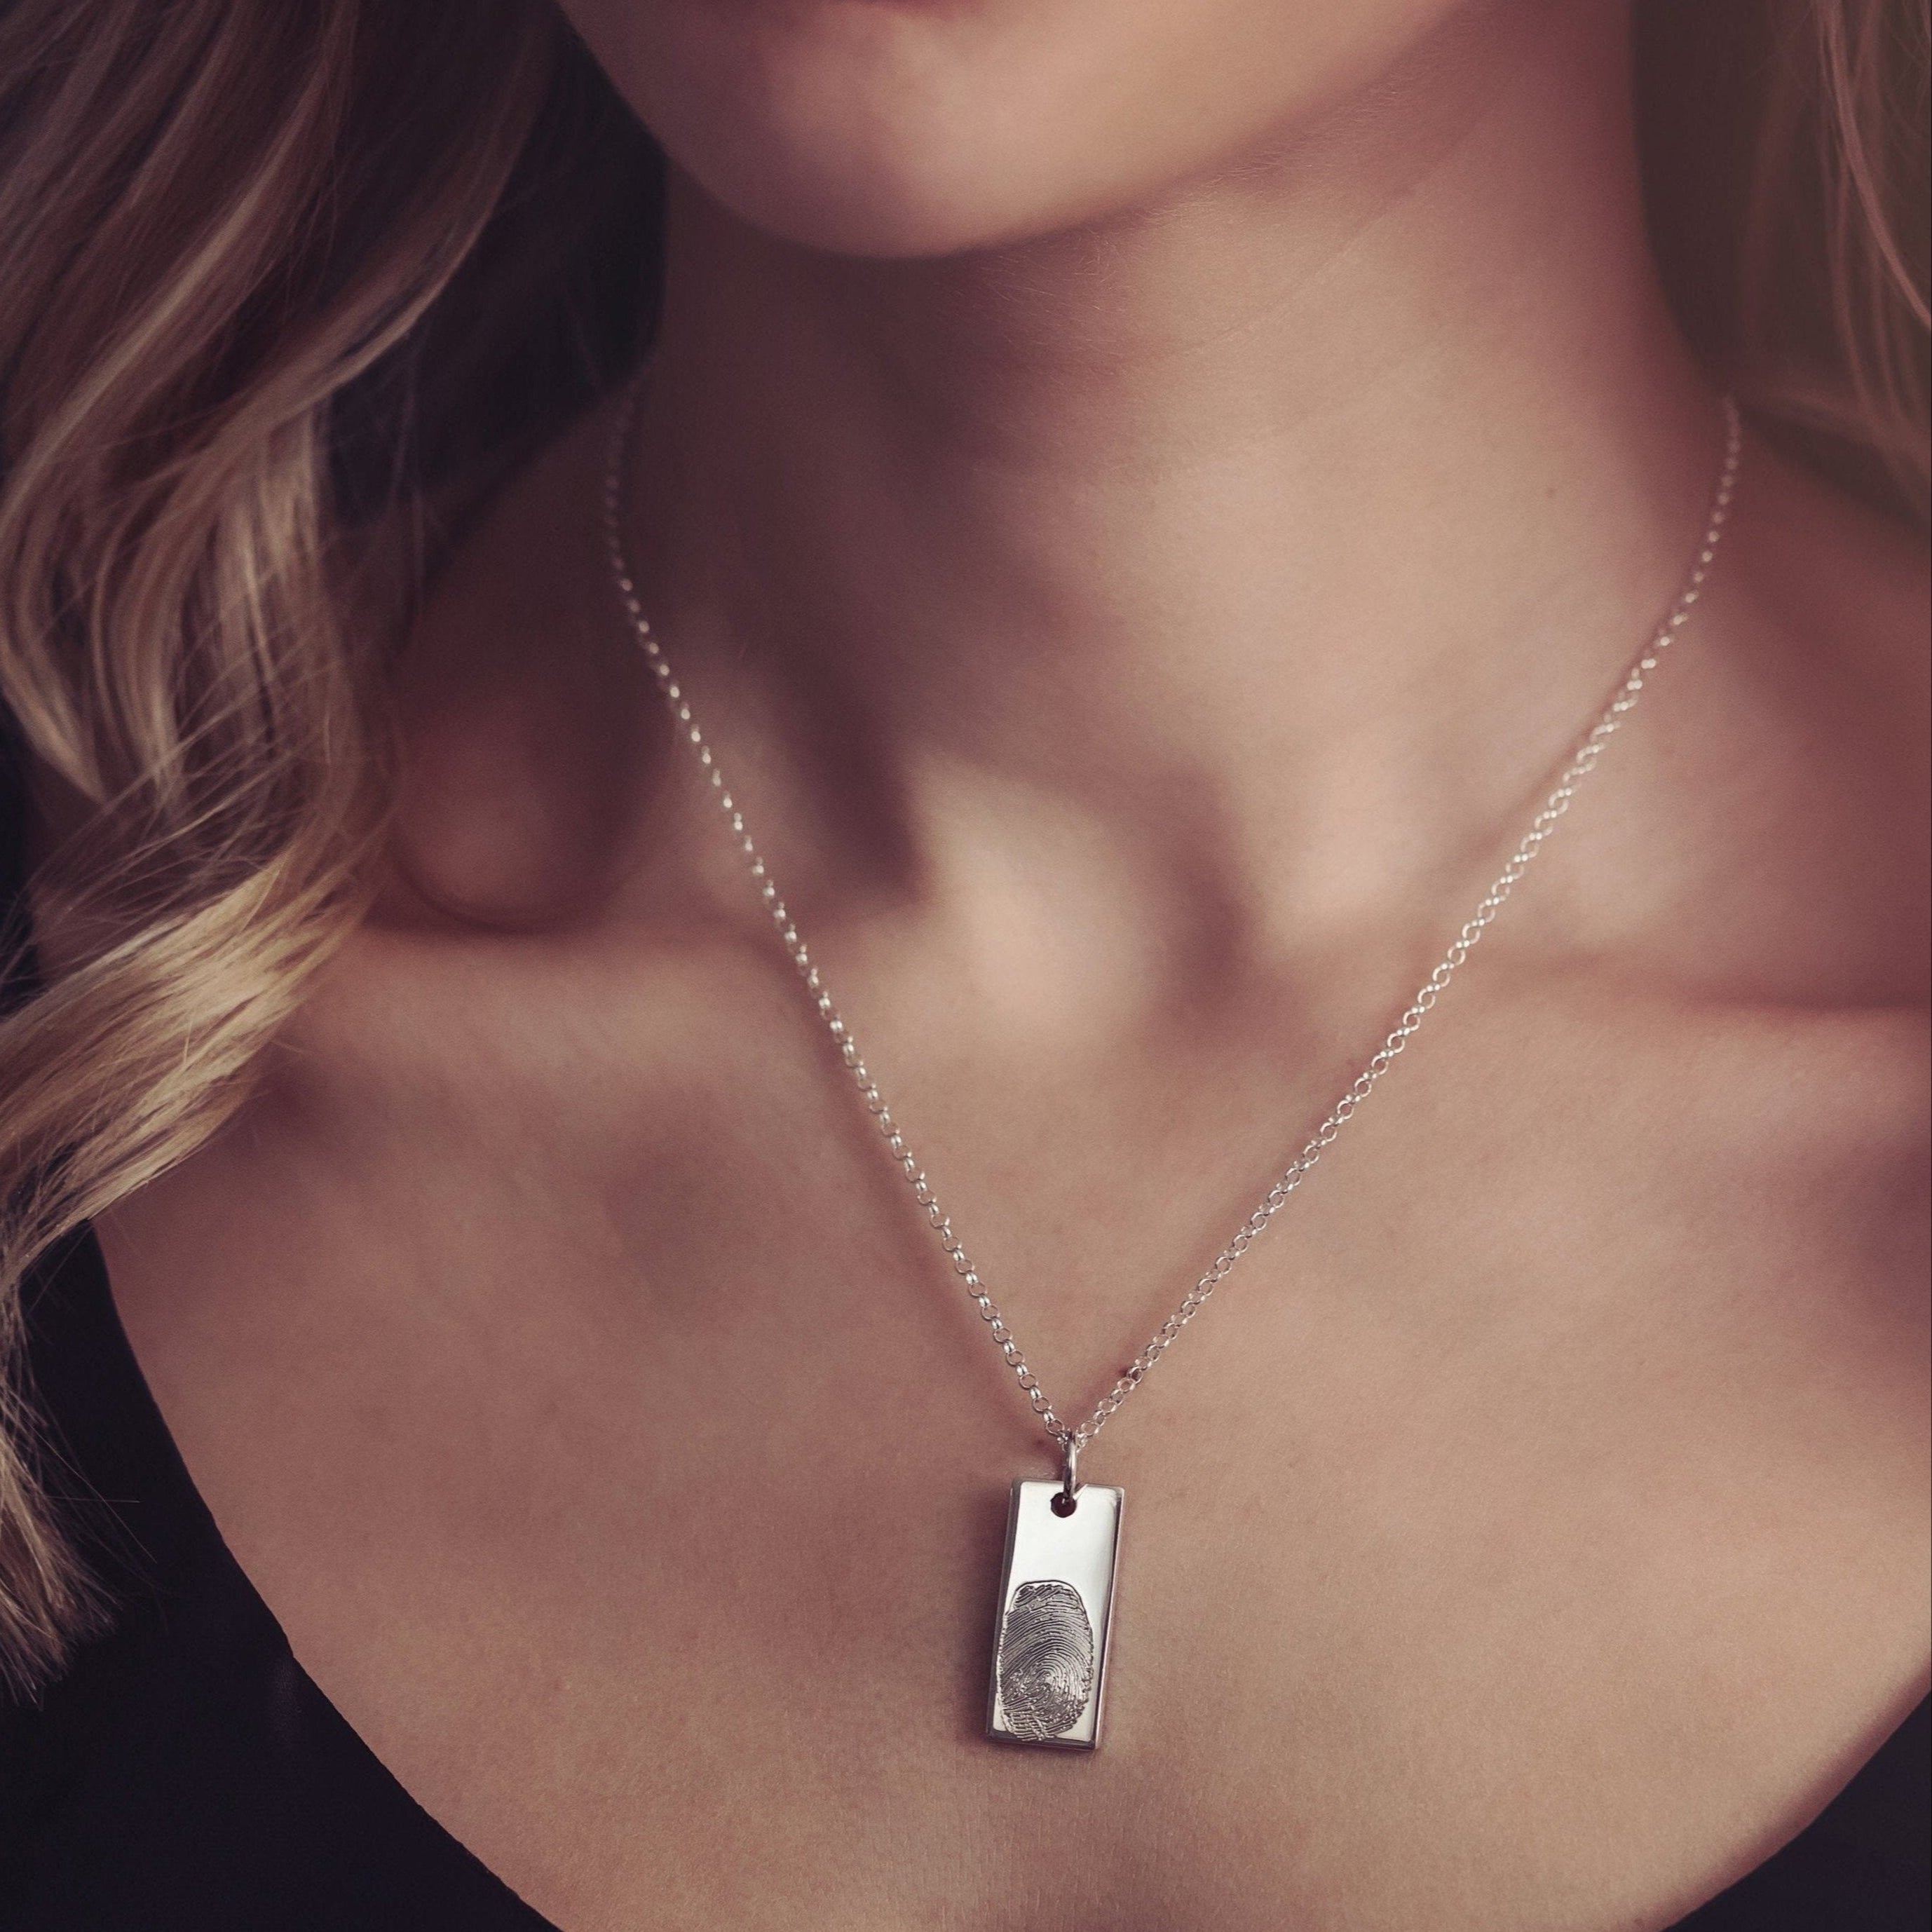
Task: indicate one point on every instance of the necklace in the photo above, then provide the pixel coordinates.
(1055, 1603)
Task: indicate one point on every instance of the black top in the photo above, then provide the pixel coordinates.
(186, 1773)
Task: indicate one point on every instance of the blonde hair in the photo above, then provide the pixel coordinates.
(266, 266)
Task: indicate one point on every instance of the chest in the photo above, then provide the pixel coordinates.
(1526, 1535)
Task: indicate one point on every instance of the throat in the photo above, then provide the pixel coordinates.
(1314, 513)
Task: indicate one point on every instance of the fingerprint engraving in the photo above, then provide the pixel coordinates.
(1046, 1661)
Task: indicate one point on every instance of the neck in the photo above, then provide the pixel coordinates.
(1310, 513)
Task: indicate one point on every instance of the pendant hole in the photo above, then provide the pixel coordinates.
(1063, 1504)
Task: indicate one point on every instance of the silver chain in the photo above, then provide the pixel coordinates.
(1071, 1441)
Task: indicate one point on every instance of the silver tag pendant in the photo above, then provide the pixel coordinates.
(1056, 1602)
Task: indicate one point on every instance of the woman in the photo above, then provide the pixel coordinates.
(1141, 500)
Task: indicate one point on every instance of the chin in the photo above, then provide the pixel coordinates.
(884, 202)
(887, 128)
(923, 128)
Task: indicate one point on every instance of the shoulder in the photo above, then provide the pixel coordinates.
(1813, 995)
(1761, 1023)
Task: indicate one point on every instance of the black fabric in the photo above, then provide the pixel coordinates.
(185, 1775)
(1863, 1866)
(186, 1772)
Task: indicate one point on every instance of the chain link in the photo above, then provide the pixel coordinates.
(1068, 1437)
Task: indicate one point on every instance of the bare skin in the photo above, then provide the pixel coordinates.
(1138, 641)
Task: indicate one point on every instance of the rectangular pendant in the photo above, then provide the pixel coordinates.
(1056, 1602)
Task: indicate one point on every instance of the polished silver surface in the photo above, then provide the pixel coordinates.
(1069, 1438)
(1055, 1603)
